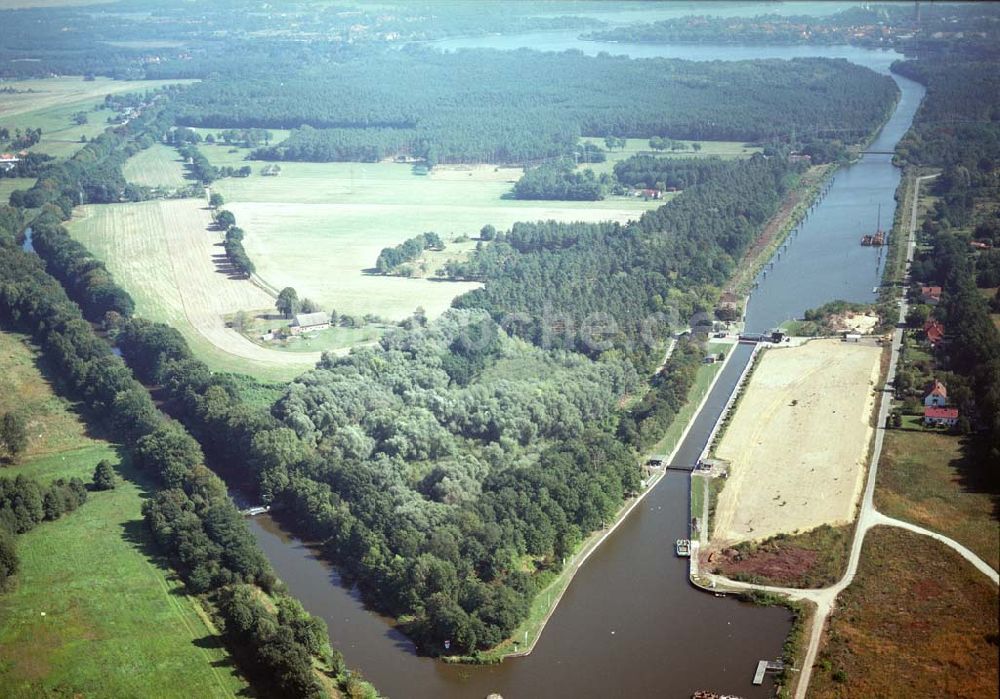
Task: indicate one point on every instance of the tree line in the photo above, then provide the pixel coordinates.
(560, 180)
(191, 514)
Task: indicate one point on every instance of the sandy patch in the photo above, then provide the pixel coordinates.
(861, 323)
(798, 441)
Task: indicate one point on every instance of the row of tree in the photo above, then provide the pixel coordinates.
(191, 515)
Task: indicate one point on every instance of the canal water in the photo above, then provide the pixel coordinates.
(630, 625)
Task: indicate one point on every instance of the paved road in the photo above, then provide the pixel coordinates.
(868, 516)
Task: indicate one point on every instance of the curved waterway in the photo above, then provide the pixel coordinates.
(630, 624)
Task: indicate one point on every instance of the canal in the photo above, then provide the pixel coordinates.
(630, 624)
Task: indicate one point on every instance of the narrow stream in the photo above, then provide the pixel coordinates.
(630, 624)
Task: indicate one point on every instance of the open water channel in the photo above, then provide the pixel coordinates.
(630, 624)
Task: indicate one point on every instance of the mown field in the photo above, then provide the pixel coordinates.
(165, 255)
(319, 226)
(918, 621)
(93, 614)
(156, 166)
(50, 103)
(925, 478)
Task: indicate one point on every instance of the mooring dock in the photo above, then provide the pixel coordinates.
(767, 666)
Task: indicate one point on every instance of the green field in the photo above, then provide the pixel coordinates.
(52, 102)
(318, 226)
(93, 614)
(640, 146)
(156, 166)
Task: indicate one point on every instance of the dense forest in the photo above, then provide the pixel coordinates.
(477, 106)
(591, 286)
(560, 180)
(667, 173)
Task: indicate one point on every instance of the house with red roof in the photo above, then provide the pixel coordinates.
(940, 417)
(936, 395)
(933, 331)
(930, 294)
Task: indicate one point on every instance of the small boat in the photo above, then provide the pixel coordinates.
(683, 548)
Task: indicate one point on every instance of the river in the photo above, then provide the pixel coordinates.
(630, 624)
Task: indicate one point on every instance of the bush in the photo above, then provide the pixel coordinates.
(104, 476)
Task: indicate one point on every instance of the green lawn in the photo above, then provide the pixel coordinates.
(93, 613)
(156, 166)
(926, 478)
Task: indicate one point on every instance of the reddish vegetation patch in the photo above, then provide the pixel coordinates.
(775, 563)
(813, 559)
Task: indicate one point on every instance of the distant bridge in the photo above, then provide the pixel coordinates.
(878, 152)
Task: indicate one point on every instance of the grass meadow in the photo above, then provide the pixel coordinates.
(640, 146)
(93, 613)
(156, 166)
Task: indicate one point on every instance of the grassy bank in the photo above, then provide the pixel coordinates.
(917, 621)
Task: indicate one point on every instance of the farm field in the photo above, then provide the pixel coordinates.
(52, 102)
(156, 166)
(925, 478)
(114, 623)
(798, 441)
(165, 255)
(918, 621)
(318, 226)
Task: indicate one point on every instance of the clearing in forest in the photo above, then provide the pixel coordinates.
(798, 441)
(92, 613)
(156, 166)
(166, 255)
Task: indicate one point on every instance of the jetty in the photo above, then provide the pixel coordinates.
(765, 666)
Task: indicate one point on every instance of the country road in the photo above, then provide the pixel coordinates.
(868, 516)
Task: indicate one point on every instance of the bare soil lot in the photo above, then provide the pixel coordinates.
(798, 441)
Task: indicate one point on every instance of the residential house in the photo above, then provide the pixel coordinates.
(930, 294)
(933, 331)
(940, 417)
(936, 395)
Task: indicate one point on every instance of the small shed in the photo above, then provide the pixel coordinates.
(307, 322)
(852, 337)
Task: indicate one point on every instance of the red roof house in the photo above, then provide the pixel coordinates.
(934, 331)
(947, 417)
(930, 294)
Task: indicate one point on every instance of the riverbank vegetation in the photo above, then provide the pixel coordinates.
(914, 604)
